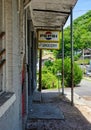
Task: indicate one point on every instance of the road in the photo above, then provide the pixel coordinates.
(84, 91)
(84, 88)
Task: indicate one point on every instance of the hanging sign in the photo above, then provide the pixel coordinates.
(48, 39)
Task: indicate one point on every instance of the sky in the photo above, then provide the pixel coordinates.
(80, 8)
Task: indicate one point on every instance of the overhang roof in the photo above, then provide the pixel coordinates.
(50, 14)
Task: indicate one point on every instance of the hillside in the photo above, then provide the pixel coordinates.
(81, 34)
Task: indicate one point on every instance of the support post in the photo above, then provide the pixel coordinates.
(72, 60)
(62, 61)
(25, 62)
(40, 70)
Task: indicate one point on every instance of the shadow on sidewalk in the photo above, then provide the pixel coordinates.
(54, 112)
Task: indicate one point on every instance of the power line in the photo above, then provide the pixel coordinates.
(81, 10)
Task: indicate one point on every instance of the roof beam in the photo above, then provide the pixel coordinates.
(52, 11)
(27, 3)
(47, 26)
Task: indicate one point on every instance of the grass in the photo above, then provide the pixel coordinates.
(87, 78)
(84, 62)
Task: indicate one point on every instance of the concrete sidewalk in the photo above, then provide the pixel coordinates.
(77, 117)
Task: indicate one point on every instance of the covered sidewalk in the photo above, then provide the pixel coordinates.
(51, 16)
(20, 21)
(54, 112)
(49, 110)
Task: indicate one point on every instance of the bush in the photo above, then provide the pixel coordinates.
(49, 80)
(67, 73)
(76, 57)
(57, 66)
(48, 63)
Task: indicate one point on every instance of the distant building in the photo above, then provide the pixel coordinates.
(87, 53)
(47, 57)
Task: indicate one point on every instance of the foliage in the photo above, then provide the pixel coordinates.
(57, 66)
(67, 73)
(48, 63)
(76, 57)
(81, 35)
(48, 66)
(82, 61)
(49, 76)
(48, 79)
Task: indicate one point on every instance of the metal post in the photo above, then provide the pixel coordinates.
(58, 84)
(83, 61)
(62, 61)
(32, 61)
(72, 60)
(26, 41)
(29, 56)
(40, 70)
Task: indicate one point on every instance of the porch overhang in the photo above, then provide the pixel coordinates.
(50, 14)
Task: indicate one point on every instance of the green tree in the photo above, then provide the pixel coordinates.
(67, 73)
(81, 35)
(49, 80)
(57, 66)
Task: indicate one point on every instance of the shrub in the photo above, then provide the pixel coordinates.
(67, 73)
(49, 80)
(48, 63)
(76, 57)
(57, 66)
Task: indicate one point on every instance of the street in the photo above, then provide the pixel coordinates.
(84, 88)
(84, 91)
